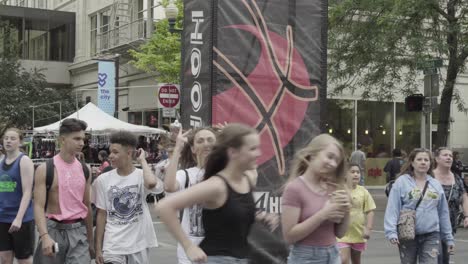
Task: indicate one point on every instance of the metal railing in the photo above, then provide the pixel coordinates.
(122, 35)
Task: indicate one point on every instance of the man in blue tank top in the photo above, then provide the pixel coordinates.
(16, 213)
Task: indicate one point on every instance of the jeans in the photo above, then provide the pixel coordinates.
(424, 249)
(302, 254)
(225, 260)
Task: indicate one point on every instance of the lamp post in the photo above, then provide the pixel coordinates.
(171, 14)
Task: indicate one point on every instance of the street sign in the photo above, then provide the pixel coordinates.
(435, 63)
(168, 95)
(169, 112)
(430, 71)
(431, 85)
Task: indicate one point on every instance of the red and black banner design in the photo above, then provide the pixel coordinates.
(269, 71)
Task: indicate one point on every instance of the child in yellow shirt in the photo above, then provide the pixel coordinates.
(361, 216)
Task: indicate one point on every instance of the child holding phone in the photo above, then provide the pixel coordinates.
(362, 219)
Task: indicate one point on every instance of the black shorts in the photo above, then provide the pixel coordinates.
(21, 242)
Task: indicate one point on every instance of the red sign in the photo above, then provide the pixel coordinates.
(169, 95)
(374, 172)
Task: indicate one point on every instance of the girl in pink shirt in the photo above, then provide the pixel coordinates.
(316, 204)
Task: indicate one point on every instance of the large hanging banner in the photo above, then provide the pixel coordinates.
(106, 86)
(196, 63)
(268, 71)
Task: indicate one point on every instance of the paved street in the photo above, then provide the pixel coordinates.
(379, 250)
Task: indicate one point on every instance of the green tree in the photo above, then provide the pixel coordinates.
(20, 89)
(375, 45)
(161, 55)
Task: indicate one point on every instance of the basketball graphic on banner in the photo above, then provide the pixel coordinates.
(262, 63)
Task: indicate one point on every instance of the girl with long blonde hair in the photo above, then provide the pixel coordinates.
(316, 203)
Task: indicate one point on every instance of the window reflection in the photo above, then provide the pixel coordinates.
(340, 122)
(374, 129)
(43, 34)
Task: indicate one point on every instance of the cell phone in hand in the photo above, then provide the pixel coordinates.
(55, 248)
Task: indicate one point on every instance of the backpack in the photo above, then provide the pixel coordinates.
(392, 168)
(50, 166)
(388, 187)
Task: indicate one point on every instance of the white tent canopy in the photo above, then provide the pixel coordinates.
(99, 121)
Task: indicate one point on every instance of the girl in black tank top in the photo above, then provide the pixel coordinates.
(229, 208)
(237, 213)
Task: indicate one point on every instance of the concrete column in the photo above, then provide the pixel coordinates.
(82, 32)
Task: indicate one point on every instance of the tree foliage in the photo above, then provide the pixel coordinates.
(161, 55)
(20, 89)
(376, 45)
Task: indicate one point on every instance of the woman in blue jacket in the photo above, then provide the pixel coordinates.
(432, 215)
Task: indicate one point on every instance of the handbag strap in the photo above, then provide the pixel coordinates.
(422, 195)
(451, 189)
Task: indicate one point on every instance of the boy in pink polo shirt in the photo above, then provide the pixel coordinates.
(63, 215)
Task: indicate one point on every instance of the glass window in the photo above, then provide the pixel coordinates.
(151, 118)
(374, 128)
(142, 17)
(408, 129)
(36, 36)
(59, 43)
(104, 29)
(94, 32)
(45, 38)
(135, 118)
(340, 122)
(156, 8)
(142, 11)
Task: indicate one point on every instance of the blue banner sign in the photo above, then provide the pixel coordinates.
(106, 86)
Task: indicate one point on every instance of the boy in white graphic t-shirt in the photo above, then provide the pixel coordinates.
(124, 228)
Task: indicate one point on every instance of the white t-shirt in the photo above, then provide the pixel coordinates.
(192, 216)
(129, 228)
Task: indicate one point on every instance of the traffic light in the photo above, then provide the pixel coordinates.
(414, 103)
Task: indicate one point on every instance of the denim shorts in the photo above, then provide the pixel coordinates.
(302, 254)
(225, 260)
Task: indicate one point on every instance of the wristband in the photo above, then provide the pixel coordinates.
(43, 235)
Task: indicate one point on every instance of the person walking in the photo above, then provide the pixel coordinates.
(393, 166)
(190, 152)
(359, 157)
(315, 203)
(124, 229)
(455, 193)
(362, 219)
(103, 157)
(16, 212)
(457, 165)
(62, 210)
(416, 190)
(226, 196)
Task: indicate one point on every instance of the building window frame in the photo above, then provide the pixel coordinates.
(94, 32)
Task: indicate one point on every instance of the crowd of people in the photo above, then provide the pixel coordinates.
(327, 216)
